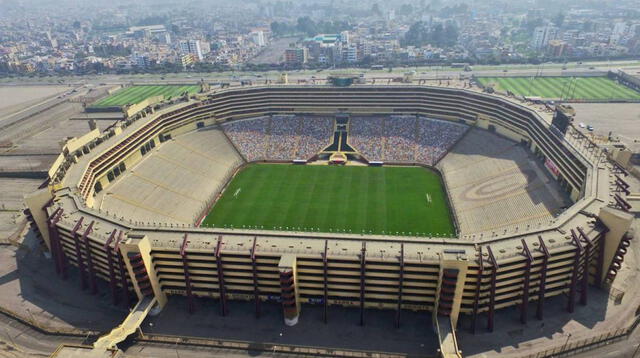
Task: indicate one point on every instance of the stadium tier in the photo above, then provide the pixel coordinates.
(523, 237)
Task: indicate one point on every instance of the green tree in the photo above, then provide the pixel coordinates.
(375, 9)
(439, 35)
(558, 20)
(405, 10)
(307, 26)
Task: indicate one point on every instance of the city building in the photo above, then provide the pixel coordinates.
(192, 47)
(557, 48)
(542, 35)
(296, 56)
(187, 60)
(257, 37)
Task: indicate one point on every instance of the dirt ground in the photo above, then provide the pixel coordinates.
(15, 98)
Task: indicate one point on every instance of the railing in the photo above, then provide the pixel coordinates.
(265, 347)
(585, 344)
(34, 324)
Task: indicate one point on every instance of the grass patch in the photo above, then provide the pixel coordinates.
(351, 199)
(137, 94)
(579, 88)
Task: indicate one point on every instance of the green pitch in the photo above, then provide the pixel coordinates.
(137, 94)
(378, 200)
(587, 88)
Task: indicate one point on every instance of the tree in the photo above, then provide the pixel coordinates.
(307, 26)
(420, 34)
(450, 34)
(531, 24)
(375, 9)
(405, 10)
(416, 36)
(558, 20)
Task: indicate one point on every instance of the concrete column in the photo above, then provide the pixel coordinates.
(37, 202)
(288, 290)
(452, 262)
(139, 244)
(618, 223)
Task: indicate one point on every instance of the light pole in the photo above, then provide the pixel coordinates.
(565, 343)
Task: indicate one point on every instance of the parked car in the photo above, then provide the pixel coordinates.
(590, 128)
(581, 125)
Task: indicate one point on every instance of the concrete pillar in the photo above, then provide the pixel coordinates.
(139, 244)
(452, 262)
(288, 290)
(618, 222)
(36, 202)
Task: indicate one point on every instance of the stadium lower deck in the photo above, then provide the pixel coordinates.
(139, 229)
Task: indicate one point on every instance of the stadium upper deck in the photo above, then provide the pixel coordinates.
(479, 273)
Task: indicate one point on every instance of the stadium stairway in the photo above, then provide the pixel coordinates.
(267, 137)
(447, 338)
(383, 142)
(127, 327)
(298, 136)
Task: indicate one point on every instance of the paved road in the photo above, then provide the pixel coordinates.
(18, 340)
(421, 71)
(28, 341)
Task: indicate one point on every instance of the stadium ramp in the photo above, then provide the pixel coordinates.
(447, 338)
(127, 327)
(634, 200)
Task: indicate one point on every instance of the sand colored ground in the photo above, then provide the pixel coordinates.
(16, 98)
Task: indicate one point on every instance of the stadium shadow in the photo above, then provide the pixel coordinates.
(37, 293)
(415, 335)
(541, 188)
(558, 324)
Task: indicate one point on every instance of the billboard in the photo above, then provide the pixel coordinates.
(552, 167)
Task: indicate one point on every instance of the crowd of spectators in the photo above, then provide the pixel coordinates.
(280, 137)
(435, 138)
(249, 136)
(365, 135)
(283, 138)
(377, 138)
(403, 138)
(315, 135)
(400, 133)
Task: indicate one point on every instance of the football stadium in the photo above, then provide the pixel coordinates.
(445, 201)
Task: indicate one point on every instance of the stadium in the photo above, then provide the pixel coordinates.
(399, 197)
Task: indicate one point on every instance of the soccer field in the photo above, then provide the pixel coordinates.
(375, 200)
(588, 88)
(137, 94)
